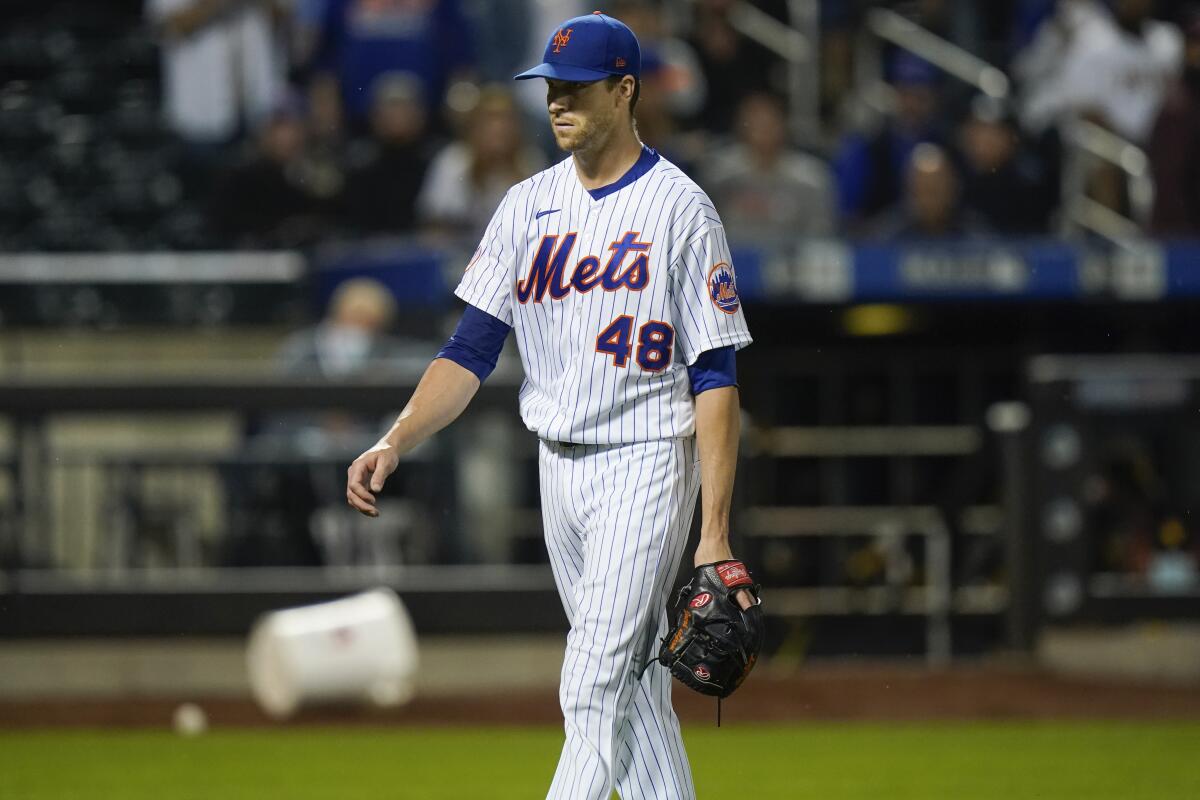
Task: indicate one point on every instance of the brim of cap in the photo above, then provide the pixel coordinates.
(563, 72)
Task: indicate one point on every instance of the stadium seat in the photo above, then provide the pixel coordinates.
(23, 55)
(20, 130)
(75, 227)
(184, 229)
(16, 210)
(81, 90)
(127, 201)
(134, 56)
(134, 116)
(94, 25)
(71, 167)
(60, 48)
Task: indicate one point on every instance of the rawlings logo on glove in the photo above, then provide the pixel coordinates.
(715, 642)
(733, 573)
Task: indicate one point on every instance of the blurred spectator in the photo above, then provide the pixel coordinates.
(931, 207)
(669, 60)
(839, 22)
(363, 39)
(223, 64)
(386, 171)
(269, 200)
(870, 168)
(1133, 513)
(1002, 182)
(1027, 19)
(764, 189)
(656, 125)
(286, 496)
(672, 85)
(732, 64)
(504, 30)
(352, 338)
(1175, 147)
(351, 341)
(1038, 65)
(326, 117)
(987, 28)
(307, 20)
(469, 177)
(1111, 68)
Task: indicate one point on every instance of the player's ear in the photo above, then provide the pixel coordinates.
(628, 85)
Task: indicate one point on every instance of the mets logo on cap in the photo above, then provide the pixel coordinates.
(562, 39)
(722, 289)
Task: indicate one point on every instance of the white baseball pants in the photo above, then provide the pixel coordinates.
(616, 521)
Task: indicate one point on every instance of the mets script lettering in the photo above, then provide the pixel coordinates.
(547, 271)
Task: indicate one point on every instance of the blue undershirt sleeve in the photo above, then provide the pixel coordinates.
(477, 342)
(713, 369)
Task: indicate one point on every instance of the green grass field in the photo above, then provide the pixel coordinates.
(826, 761)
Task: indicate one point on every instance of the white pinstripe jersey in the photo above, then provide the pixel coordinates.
(610, 297)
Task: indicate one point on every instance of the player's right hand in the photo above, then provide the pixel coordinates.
(366, 475)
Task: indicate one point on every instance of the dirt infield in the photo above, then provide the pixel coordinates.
(821, 693)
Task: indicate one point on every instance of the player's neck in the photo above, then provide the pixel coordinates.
(606, 164)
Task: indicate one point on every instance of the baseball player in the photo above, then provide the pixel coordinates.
(613, 271)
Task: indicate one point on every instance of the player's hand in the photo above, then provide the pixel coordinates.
(365, 477)
(710, 551)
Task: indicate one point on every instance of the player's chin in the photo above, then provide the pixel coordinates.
(568, 140)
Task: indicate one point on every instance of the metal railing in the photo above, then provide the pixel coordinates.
(1086, 143)
(796, 43)
(935, 600)
(861, 440)
(887, 526)
(947, 56)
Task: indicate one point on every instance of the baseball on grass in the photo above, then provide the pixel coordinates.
(189, 719)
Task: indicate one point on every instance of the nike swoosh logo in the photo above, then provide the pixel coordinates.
(541, 214)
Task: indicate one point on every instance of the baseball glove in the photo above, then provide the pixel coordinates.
(714, 643)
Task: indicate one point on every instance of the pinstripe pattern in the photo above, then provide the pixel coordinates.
(618, 502)
(571, 392)
(616, 520)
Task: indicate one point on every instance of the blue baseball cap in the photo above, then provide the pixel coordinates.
(589, 48)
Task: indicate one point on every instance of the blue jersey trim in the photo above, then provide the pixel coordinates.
(477, 342)
(646, 160)
(714, 369)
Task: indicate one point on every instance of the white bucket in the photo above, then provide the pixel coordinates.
(361, 648)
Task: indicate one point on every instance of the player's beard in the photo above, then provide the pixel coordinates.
(589, 134)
